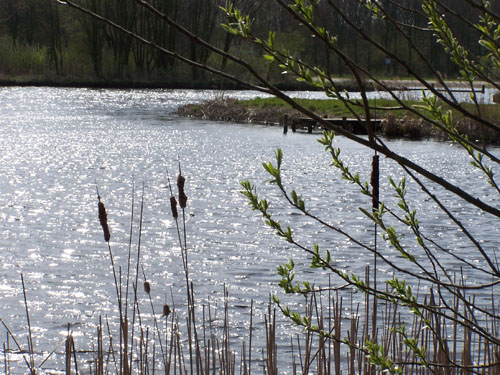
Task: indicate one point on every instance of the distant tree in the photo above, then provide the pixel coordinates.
(30, 22)
(123, 13)
(247, 7)
(201, 15)
(163, 34)
(53, 34)
(95, 34)
(12, 17)
(20, 18)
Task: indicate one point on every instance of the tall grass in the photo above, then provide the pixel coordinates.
(28, 60)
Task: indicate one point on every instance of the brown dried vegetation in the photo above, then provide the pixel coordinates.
(233, 111)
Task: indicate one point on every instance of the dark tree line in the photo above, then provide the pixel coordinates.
(108, 53)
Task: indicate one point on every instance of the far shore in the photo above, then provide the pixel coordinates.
(241, 112)
(393, 124)
(26, 81)
(213, 84)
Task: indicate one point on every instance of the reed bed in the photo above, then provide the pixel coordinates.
(194, 337)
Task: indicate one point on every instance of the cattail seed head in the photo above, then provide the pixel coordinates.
(166, 310)
(103, 218)
(147, 287)
(173, 206)
(182, 195)
(180, 182)
(182, 199)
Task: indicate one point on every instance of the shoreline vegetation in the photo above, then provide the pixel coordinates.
(394, 123)
(131, 84)
(342, 83)
(49, 80)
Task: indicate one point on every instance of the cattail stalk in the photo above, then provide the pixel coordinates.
(68, 349)
(5, 360)
(374, 181)
(30, 337)
(147, 289)
(134, 284)
(175, 214)
(103, 219)
(181, 180)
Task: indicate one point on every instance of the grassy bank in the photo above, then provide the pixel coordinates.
(396, 121)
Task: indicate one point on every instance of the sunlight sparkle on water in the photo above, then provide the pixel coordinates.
(58, 143)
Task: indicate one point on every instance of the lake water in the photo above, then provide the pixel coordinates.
(57, 143)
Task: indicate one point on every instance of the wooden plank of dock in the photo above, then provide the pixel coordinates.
(352, 125)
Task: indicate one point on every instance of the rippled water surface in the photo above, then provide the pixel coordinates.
(57, 143)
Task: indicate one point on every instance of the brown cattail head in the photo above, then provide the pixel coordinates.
(147, 287)
(103, 218)
(182, 199)
(166, 310)
(182, 195)
(374, 181)
(173, 206)
(180, 182)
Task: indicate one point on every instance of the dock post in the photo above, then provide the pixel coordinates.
(285, 124)
(310, 127)
(294, 126)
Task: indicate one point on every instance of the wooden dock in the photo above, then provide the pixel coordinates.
(352, 125)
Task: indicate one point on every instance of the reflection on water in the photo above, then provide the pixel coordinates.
(57, 143)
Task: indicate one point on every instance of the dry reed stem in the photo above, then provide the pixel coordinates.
(6, 360)
(219, 356)
(30, 336)
(18, 346)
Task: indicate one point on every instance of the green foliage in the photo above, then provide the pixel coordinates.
(263, 206)
(377, 357)
(240, 24)
(412, 344)
(445, 118)
(287, 276)
(489, 35)
(17, 61)
(327, 141)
